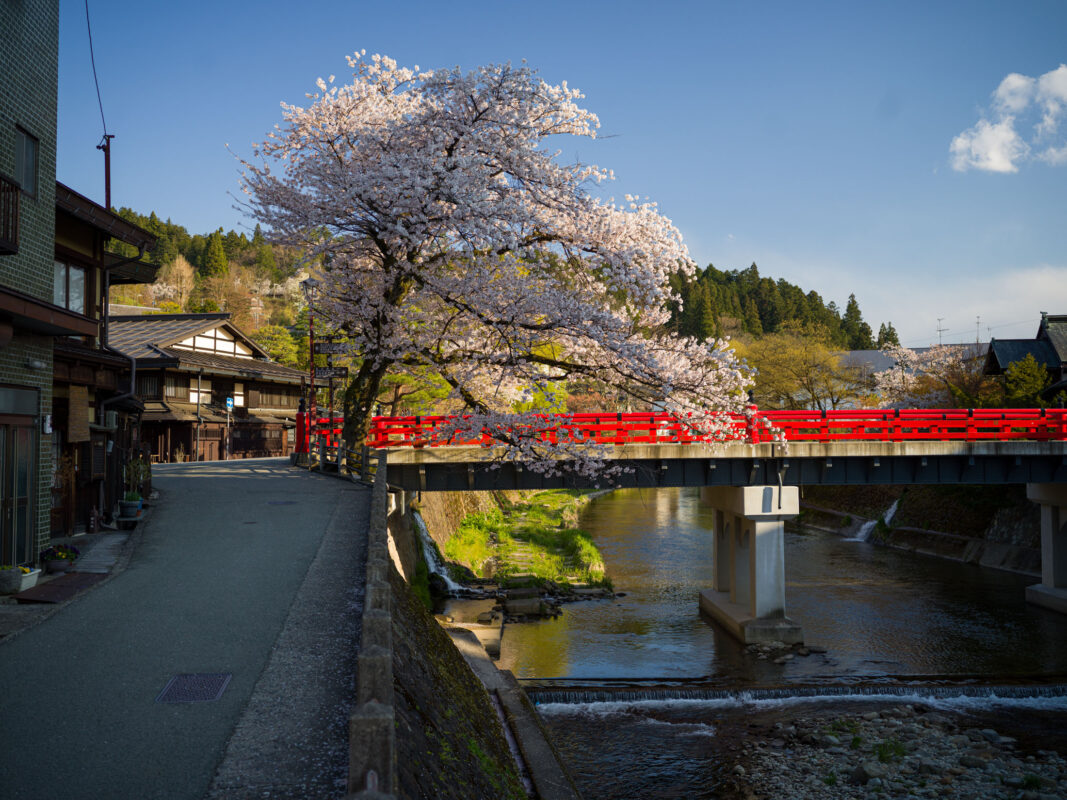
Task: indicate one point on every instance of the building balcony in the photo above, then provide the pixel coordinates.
(9, 215)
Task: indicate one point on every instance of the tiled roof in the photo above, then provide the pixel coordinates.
(1056, 327)
(245, 367)
(142, 336)
(1003, 352)
(150, 338)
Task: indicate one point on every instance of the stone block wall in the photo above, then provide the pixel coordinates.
(29, 64)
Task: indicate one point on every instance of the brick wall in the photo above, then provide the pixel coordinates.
(29, 64)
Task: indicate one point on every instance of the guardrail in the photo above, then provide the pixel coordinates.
(887, 425)
(328, 453)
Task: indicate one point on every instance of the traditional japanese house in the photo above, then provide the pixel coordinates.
(209, 391)
(95, 413)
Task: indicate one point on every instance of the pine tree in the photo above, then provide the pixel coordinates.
(887, 335)
(214, 261)
(857, 332)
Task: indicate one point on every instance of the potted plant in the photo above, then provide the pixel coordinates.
(15, 579)
(130, 504)
(59, 557)
(136, 475)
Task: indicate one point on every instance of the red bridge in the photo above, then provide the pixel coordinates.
(897, 425)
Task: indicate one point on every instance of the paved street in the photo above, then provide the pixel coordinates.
(246, 568)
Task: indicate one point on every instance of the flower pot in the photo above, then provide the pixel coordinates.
(129, 508)
(11, 580)
(57, 566)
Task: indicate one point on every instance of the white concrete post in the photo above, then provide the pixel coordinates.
(1052, 591)
(721, 551)
(748, 598)
(767, 569)
(739, 574)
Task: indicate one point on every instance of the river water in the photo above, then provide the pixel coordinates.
(652, 685)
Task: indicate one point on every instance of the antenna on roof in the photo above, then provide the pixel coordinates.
(977, 328)
(940, 330)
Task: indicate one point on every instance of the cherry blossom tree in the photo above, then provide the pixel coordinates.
(452, 237)
(942, 376)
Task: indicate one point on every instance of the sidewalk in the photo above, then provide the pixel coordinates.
(245, 571)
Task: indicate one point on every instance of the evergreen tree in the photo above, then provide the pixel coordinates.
(214, 261)
(857, 332)
(887, 335)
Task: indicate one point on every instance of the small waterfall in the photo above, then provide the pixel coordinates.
(432, 557)
(864, 533)
(1054, 695)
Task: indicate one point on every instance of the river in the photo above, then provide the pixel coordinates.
(884, 617)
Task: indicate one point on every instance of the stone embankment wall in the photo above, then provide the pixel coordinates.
(992, 526)
(444, 511)
(424, 725)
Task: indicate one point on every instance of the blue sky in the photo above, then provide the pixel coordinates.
(909, 152)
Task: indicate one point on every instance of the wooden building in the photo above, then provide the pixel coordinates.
(209, 391)
(95, 412)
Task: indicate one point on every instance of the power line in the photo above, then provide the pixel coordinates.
(92, 60)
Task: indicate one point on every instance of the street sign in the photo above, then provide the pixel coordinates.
(330, 347)
(229, 404)
(331, 372)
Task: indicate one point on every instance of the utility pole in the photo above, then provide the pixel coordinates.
(105, 145)
(977, 328)
(940, 330)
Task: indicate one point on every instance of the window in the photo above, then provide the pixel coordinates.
(203, 395)
(177, 387)
(238, 394)
(148, 386)
(26, 162)
(69, 287)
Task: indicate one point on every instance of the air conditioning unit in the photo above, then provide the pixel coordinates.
(111, 420)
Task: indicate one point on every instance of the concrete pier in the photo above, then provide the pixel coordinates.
(1052, 591)
(748, 596)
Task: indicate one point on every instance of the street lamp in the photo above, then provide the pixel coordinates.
(310, 287)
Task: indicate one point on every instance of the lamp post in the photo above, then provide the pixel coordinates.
(309, 285)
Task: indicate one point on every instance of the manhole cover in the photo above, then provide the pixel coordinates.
(196, 688)
(281, 502)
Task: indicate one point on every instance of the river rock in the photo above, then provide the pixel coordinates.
(529, 606)
(867, 770)
(523, 592)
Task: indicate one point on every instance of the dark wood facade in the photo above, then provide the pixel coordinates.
(188, 367)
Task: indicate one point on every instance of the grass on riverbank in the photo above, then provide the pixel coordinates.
(534, 535)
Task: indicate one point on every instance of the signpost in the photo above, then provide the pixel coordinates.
(331, 372)
(331, 348)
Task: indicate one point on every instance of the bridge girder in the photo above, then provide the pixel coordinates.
(672, 471)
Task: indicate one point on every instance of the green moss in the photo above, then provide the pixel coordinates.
(420, 584)
(535, 535)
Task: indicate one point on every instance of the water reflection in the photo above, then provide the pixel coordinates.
(876, 611)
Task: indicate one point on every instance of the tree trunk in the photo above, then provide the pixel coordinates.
(360, 398)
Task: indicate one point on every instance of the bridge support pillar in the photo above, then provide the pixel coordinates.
(1052, 591)
(748, 596)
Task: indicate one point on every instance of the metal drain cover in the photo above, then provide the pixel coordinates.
(203, 687)
(281, 502)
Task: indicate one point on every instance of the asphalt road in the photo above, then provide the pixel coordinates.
(228, 563)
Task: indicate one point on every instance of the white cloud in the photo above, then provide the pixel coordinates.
(993, 147)
(1034, 106)
(1014, 93)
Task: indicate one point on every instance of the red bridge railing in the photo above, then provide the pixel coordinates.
(883, 425)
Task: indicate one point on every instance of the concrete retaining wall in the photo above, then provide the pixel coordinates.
(372, 725)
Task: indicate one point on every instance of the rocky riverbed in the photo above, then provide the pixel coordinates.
(907, 751)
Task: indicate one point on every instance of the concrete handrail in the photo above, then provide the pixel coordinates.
(372, 773)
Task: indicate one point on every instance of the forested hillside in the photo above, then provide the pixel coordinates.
(737, 302)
